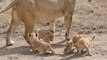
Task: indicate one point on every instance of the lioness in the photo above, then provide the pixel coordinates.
(38, 44)
(82, 43)
(46, 34)
(41, 11)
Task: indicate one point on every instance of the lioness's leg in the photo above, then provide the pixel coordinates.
(68, 20)
(14, 24)
(52, 28)
(28, 29)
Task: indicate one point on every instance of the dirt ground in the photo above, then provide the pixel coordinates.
(88, 19)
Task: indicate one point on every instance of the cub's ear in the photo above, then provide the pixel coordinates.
(29, 34)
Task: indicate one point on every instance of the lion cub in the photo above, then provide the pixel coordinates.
(46, 35)
(79, 43)
(38, 44)
(82, 43)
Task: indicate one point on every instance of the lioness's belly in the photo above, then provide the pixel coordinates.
(27, 11)
(43, 17)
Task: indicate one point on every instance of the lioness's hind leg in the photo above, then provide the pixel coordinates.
(14, 24)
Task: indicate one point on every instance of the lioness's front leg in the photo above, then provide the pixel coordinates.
(68, 20)
(29, 26)
(28, 29)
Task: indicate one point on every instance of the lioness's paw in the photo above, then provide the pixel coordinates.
(9, 43)
(31, 50)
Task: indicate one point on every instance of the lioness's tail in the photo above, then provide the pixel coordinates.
(10, 5)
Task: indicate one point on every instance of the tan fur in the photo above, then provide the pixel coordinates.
(82, 43)
(38, 44)
(41, 11)
(47, 35)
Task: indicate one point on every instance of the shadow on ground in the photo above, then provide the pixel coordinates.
(71, 56)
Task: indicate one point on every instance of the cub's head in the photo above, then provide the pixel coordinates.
(68, 46)
(32, 35)
(76, 38)
(50, 35)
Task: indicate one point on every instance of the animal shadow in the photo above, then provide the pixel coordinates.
(71, 56)
(23, 50)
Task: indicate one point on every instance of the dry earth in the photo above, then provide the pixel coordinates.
(88, 19)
